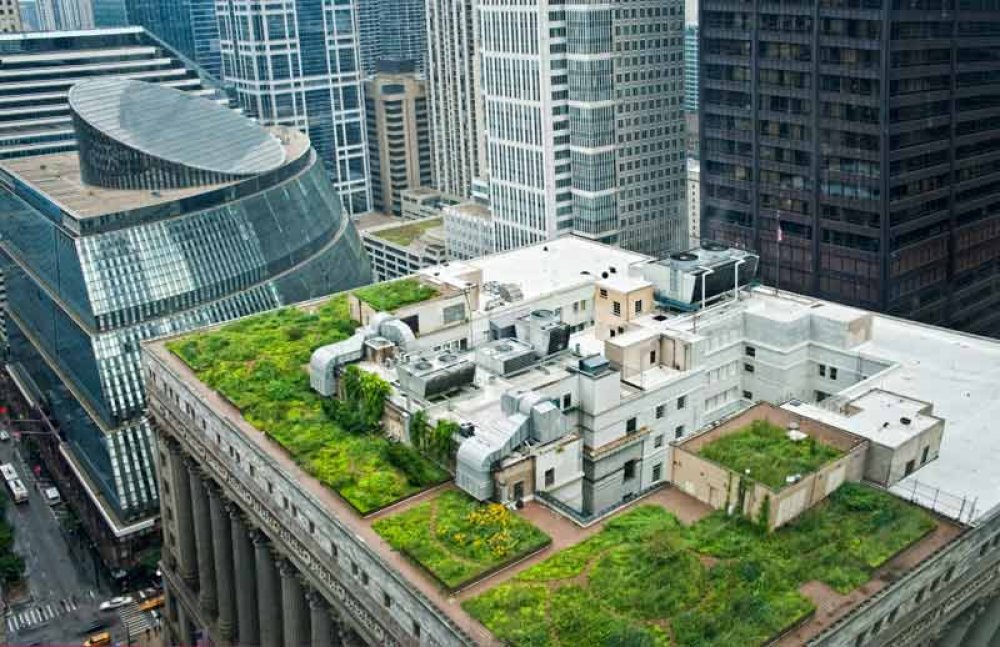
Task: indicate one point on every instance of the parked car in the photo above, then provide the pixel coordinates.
(98, 640)
(51, 495)
(116, 602)
(4, 435)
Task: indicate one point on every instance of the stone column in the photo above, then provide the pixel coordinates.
(248, 629)
(222, 553)
(268, 594)
(207, 599)
(183, 626)
(296, 616)
(954, 632)
(320, 623)
(983, 632)
(188, 557)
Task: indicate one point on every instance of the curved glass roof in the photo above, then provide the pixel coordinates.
(175, 126)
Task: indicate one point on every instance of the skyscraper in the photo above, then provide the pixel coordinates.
(583, 108)
(176, 213)
(455, 95)
(691, 68)
(865, 144)
(398, 136)
(112, 13)
(65, 15)
(392, 30)
(298, 65)
(10, 16)
(189, 26)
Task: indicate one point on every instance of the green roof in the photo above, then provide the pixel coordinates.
(764, 453)
(646, 579)
(259, 364)
(403, 235)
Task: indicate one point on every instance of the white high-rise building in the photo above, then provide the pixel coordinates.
(454, 95)
(297, 63)
(583, 108)
(67, 15)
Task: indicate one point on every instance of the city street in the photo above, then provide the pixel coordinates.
(62, 596)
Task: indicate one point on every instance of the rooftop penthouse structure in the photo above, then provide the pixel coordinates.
(449, 458)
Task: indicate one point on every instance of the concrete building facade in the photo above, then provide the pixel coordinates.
(399, 137)
(65, 15)
(694, 200)
(468, 231)
(398, 249)
(300, 66)
(10, 17)
(603, 160)
(454, 92)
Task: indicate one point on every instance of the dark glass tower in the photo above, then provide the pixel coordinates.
(189, 26)
(176, 213)
(870, 130)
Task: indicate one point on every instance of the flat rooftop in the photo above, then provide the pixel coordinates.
(544, 268)
(57, 176)
(959, 374)
(876, 415)
(405, 233)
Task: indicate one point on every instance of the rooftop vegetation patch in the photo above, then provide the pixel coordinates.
(647, 580)
(258, 364)
(403, 235)
(457, 539)
(764, 452)
(385, 297)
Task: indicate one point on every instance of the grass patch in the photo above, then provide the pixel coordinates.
(765, 450)
(406, 234)
(643, 579)
(258, 363)
(385, 297)
(459, 539)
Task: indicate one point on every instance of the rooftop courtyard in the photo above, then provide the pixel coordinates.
(766, 453)
(647, 579)
(258, 364)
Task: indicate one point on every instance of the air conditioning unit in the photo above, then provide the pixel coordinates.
(427, 377)
(544, 331)
(505, 356)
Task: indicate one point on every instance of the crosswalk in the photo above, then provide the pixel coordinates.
(135, 619)
(38, 614)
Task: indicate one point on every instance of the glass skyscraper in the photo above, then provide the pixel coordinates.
(691, 69)
(393, 30)
(176, 213)
(298, 64)
(189, 26)
(854, 144)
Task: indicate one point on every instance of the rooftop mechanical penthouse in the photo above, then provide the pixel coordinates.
(575, 443)
(175, 213)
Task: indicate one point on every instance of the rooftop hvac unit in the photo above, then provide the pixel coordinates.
(427, 377)
(677, 279)
(510, 292)
(544, 331)
(505, 356)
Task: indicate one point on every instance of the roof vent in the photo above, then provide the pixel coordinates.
(905, 420)
(604, 275)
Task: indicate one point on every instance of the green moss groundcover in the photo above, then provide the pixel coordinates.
(386, 297)
(258, 363)
(769, 455)
(647, 580)
(459, 539)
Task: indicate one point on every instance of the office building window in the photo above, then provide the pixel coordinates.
(630, 426)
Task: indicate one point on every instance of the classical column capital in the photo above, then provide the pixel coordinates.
(315, 600)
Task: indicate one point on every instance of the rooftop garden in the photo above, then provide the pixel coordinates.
(764, 452)
(385, 297)
(258, 363)
(403, 235)
(645, 579)
(458, 539)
